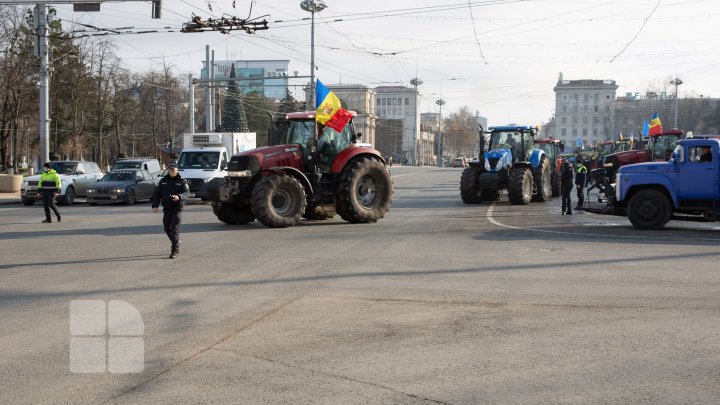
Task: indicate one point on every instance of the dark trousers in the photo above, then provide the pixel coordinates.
(48, 198)
(580, 195)
(171, 224)
(566, 200)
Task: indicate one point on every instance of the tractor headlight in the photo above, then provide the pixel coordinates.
(487, 165)
(608, 165)
(240, 173)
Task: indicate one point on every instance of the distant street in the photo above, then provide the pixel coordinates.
(439, 302)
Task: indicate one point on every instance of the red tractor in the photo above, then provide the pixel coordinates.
(552, 148)
(309, 171)
(657, 148)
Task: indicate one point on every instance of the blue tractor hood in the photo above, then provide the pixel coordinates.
(497, 159)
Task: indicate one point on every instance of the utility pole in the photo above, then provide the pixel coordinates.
(208, 93)
(441, 103)
(191, 101)
(41, 21)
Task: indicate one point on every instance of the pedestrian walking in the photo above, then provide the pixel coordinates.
(171, 192)
(566, 184)
(580, 181)
(49, 186)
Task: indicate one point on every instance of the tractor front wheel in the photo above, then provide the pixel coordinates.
(520, 184)
(469, 186)
(364, 191)
(542, 182)
(555, 181)
(278, 201)
(649, 209)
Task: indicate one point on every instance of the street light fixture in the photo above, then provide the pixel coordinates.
(676, 82)
(441, 103)
(312, 6)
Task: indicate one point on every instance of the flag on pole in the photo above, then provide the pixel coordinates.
(579, 142)
(329, 111)
(655, 125)
(646, 129)
(621, 136)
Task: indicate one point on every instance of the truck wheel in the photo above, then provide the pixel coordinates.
(649, 209)
(520, 186)
(233, 214)
(316, 212)
(69, 197)
(278, 201)
(28, 201)
(364, 191)
(469, 186)
(555, 182)
(542, 181)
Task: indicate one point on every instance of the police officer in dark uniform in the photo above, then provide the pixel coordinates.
(566, 183)
(172, 193)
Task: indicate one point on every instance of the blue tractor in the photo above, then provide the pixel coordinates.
(511, 163)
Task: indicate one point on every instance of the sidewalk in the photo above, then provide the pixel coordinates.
(10, 198)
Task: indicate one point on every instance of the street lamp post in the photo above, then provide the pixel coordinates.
(441, 103)
(312, 6)
(676, 82)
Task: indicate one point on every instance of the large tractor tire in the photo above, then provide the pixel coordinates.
(232, 214)
(542, 181)
(520, 184)
(555, 182)
(278, 201)
(469, 186)
(316, 212)
(364, 191)
(649, 209)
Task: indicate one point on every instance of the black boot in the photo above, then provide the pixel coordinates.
(47, 221)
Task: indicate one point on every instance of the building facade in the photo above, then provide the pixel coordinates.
(401, 103)
(269, 77)
(584, 109)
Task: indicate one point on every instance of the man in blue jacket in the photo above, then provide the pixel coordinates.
(172, 191)
(49, 186)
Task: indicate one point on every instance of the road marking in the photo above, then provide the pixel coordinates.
(490, 218)
(409, 174)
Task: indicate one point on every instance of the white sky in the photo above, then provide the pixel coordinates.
(499, 57)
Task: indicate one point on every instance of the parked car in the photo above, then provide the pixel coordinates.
(459, 162)
(128, 186)
(76, 177)
(152, 165)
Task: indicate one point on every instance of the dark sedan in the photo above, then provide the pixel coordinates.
(126, 186)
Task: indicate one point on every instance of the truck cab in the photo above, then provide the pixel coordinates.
(687, 187)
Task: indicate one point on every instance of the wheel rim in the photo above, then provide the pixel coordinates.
(131, 196)
(70, 196)
(546, 182)
(366, 190)
(527, 187)
(281, 201)
(648, 210)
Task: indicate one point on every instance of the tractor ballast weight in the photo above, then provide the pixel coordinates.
(511, 162)
(309, 171)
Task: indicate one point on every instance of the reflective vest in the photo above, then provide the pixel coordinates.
(49, 180)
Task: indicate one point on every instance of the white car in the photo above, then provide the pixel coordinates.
(76, 177)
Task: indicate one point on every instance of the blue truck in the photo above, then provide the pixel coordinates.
(686, 188)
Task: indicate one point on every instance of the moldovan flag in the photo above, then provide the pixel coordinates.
(655, 125)
(328, 111)
(579, 142)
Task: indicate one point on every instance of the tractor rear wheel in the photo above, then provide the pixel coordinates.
(542, 181)
(555, 181)
(469, 186)
(520, 185)
(649, 209)
(233, 214)
(364, 191)
(278, 201)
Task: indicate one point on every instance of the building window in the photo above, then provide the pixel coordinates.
(564, 108)
(575, 120)
(378, 101)
(585, 120)
(383, 101)
(564, 97)
(595, 132)
(399, 101)
(407, 101)
(584, 131)
(563, 132)
(563, 120)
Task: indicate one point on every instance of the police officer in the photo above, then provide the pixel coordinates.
(580, 180)
(49, 185)
(566, 183)
(172, 193)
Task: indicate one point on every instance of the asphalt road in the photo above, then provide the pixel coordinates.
(439, 302)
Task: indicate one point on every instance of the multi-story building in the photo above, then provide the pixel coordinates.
(401, 103)
(360, 99)
(269, 77)
(584, 109)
